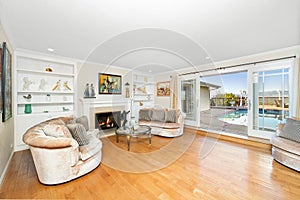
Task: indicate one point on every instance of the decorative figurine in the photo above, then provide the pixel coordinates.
(42, 84)
(48, 69)
(28, 97)
(67, 86)
(127, 94)
(89, 91)
(48, 97)
(65, 109)
(123, 116)
(27, 109)
(132, 123)
(134, 89)
(142, 90)
(57, 86)
(27, 83)
(86, 92)
(92, 92)
(148, 97)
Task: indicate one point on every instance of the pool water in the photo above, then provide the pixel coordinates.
(240, 117)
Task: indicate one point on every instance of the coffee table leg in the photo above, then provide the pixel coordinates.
(128, 142)
(117, 138)
(150, 138)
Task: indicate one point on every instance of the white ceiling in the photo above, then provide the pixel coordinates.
(152, 34)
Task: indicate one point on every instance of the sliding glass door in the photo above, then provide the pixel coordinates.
(246, 101)
(270, 97)
(226, 96)
(189, 98)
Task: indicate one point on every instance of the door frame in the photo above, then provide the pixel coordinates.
(267, 66)
(195, 77)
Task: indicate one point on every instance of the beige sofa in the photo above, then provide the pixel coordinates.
(285, 150)
(61, 159)
(163, 122)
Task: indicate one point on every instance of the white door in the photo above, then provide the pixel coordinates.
(270, 99)
(189, 98)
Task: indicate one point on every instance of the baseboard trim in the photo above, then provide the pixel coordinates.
(5, 169)
(249, 141)
(21, 147)
(255, 142)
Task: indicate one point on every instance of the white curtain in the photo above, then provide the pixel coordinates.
(173, 88)
(298, 95)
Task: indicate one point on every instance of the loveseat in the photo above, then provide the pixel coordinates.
(163, 122)
(57, 156)
(286, 144)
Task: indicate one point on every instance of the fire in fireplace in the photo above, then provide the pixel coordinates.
(107, 120)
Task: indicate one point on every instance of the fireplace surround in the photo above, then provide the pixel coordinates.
(91, 107)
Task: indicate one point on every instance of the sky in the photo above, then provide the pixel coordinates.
(230, 83)
(235, 82)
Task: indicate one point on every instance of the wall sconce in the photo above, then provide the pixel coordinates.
(127, 94)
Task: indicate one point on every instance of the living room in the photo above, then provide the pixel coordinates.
(60, 60)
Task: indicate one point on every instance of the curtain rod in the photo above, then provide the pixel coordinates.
(231, 66)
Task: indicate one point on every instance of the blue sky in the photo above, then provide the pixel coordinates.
(230, 83)
(235, 82)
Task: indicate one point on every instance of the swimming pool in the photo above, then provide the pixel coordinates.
(267, 120)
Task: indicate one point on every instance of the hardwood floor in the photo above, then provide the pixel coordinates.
(228, 171)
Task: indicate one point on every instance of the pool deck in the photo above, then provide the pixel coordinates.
(265, 107)
(209, 119)
(230, 107)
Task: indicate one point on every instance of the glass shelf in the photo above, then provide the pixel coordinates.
(44, 73)
(143, 83)
(44, 92)
(46, 102)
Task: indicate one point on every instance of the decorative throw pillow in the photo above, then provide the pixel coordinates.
(170, 116)
(79, 133)
(291, 130)
(84, 121)
(145, 114)
(158, 115)
(72, 121)
(56, 130)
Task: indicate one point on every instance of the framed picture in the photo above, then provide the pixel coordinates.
(163, 88)
(1, 104)
(6, 87)
(110, 84)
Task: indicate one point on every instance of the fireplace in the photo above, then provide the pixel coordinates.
(107, 120)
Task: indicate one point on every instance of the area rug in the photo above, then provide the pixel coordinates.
(131, 162)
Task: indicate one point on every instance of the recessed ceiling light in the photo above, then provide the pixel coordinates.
(207, 57)
(50, 49)
(150, 70)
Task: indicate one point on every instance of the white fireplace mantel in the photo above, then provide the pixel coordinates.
(92, 106)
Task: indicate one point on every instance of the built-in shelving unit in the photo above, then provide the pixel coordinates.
(143, 91)
(44, 84)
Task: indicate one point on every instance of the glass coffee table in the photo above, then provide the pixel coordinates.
(129, 132)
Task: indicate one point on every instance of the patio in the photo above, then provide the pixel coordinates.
(209, 119)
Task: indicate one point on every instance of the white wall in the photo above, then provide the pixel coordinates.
(88, 73)
(162, 101)
(6, 128)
